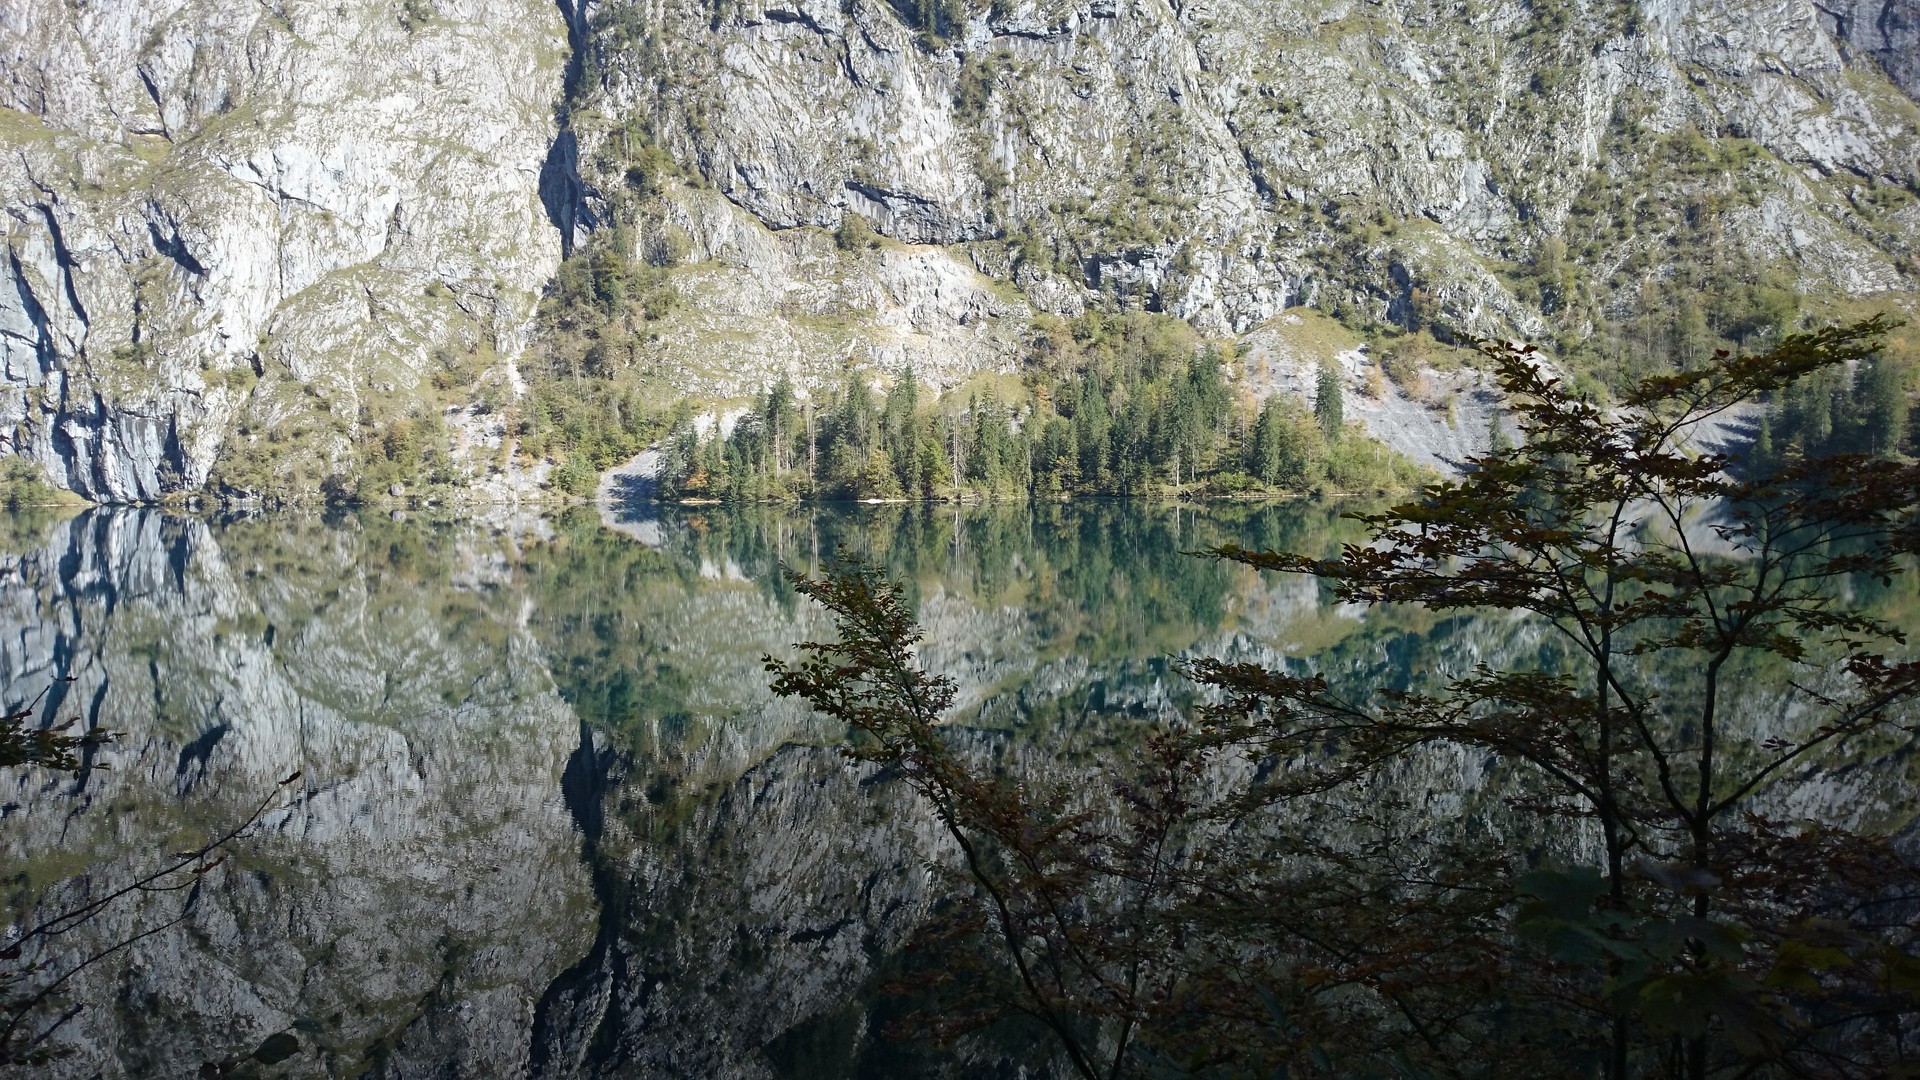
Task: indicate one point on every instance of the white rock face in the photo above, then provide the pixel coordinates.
(1444, 420)
(1886, 30)
(756, 304)
(1177, 156)
(199, 195)
(221, 218)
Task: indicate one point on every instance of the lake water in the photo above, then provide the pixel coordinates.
(550, 818)
(550, 821)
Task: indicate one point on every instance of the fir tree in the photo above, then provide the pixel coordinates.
(1328, 402)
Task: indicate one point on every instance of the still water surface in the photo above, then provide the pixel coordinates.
(551, 823)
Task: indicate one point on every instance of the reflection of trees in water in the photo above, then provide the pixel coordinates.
(1151, 895)
(665, 641)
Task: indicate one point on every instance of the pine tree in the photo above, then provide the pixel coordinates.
(1328, 402)
(1265, 458)
(854, 419)
(1093, 428)
(780, 417)
(877, 479)
(900, 422)
(1280, 446)
(1497, 440)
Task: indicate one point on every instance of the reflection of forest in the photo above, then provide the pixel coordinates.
(470, 702)
(650, 641)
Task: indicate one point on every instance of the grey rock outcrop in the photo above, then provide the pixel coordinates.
(1185, 157)
(1886, 30)
(216, 212)
(757, 303)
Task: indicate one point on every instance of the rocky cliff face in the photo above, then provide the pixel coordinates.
(1222, 160)
(1886, 30)
(222, 218)
(234, 235)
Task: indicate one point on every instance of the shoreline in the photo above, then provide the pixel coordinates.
(203, 504)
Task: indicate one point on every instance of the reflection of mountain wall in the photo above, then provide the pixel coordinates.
(424, 884)
(733, 848)
(389, 662)
(465, 702)
(744, 929)
(414, 906)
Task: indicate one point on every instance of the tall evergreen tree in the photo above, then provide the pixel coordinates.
(1329, 405)
(1092, 431)
(1265, 458)
(899, 422)
(780, 418)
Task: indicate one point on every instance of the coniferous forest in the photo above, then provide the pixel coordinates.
(1125, 405)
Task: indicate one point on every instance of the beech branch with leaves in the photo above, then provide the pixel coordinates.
(1665, 570)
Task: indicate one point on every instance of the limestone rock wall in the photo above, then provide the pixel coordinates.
(225, 220)
(1184, 156)
(217, 211)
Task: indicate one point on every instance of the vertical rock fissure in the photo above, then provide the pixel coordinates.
(36, 316)
(64, 259)
(562, 192)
